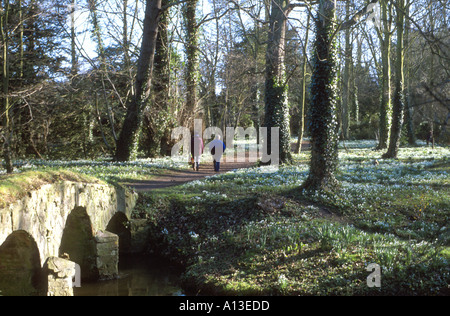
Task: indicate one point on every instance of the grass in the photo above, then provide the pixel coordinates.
(252, 232)
(105, 170)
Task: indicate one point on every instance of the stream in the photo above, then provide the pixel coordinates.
(138, 276)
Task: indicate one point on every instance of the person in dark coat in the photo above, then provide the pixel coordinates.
(197, 147)
(217, 148)
(430, 138)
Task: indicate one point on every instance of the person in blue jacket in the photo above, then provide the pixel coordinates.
(217, 148)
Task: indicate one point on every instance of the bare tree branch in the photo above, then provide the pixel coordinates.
(357, 17)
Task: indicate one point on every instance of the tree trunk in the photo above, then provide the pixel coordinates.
(136, 104)
(97, 34)
(301, 130)
(256, 97)
(192, 63)
(399, 95)
(357, 70)
(409, 109)
(276, 98)
(73, 45)
(21, 32)
(324, 122)
(347, 79)
(125, 40)
(163, 58)
(386, 97)
(157, 118)
(5, 104)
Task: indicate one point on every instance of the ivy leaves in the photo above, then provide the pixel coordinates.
(323, 114)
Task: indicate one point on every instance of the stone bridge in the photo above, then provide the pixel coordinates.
(53, 232)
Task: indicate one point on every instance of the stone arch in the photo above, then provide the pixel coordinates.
(120, 225)
(78, 243)
(20, 266)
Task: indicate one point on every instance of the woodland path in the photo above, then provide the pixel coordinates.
(179, 177)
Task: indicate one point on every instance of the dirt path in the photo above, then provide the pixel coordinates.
(178, 177)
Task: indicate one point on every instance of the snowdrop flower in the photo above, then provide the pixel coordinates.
(193, 235)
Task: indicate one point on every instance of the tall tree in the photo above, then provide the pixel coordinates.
(276, 91)
(324, 122)
(301, 130)
(323, 112)
(33, 48)
(192, 60)
(101, 51)
(348, 62)
(399, 94)
(408, 84)
(128, 136)
(257, 85)
(5, 101)
(73, 44)
(386, 91)
(157, 117)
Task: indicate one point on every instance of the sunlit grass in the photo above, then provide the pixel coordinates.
(107, 170)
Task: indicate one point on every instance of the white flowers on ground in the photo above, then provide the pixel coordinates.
(193, 235)
(106, 170)
(356, 172)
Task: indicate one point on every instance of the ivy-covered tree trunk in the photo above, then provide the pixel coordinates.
(132, 123)
(167, 117)
(386, 94)
(324, 116)
(399, 95)
(276, 97)
(192, 61)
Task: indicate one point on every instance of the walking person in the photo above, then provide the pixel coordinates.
(197, 147)
(217, 148)
(430, 139)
